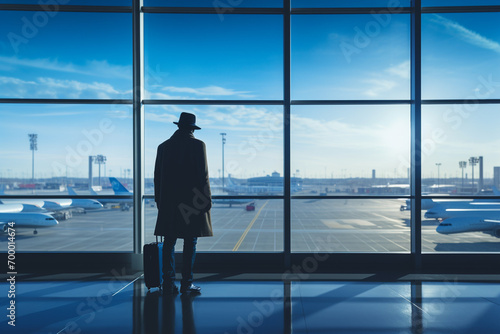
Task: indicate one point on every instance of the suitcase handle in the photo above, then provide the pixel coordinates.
(161, 238)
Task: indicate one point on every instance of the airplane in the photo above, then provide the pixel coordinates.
(24, 207)
(119, 189)
(26, 220)
(470, 224)
(470, 209)
(84, 203)
(11, 208)
(428, 203)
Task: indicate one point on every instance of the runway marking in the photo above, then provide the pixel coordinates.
(387, 218)
(238, 244)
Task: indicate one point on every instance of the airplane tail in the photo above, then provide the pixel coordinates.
(71, 191)
(118, 188)
(229, 181)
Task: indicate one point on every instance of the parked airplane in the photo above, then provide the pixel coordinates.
(470, 224)
(84, 203)
(119, 189)
(471, 209)
(11, 208)
(25, 207)
(26, 220)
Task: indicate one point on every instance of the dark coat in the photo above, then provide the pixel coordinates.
(182, 188)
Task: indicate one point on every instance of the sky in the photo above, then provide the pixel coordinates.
(187, 56)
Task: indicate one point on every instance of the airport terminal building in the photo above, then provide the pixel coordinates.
(351, 149)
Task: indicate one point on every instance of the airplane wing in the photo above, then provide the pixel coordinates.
(495, 221)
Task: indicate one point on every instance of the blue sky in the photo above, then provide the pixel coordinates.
(84, 55)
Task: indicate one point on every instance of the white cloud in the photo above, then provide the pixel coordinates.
(379, 86)
(46, 87)
(99, 68)
(401, 70)
(466, 34)
(205, 91)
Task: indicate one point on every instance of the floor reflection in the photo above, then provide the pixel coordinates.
(233, 307)
(156, 303)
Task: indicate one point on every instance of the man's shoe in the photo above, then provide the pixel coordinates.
(190, 289)
(170, 289)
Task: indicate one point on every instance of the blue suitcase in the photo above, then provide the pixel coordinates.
(153, 264)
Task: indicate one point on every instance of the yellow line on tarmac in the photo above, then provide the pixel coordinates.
(238, 244)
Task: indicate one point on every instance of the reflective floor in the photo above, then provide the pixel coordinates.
(117, 305)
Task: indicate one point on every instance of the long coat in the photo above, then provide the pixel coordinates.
(182, 188)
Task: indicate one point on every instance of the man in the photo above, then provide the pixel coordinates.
(183, 198)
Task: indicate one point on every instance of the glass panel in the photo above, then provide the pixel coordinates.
(65, 55)
(468, 225)
(68, 225)
(460, 56)
(460, 3)
(390, 6)
(66, 136)
(452, 135)
(350, 57)
(238, 226)
(253, 148)
(347, 225)
(222, 6)
(351, 149)
(460, 159)
(51, 6)
(205, 57)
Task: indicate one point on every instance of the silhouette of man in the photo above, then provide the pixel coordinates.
(183, 198)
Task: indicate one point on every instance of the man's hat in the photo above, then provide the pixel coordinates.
(187, 119)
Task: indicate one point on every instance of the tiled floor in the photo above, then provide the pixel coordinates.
(247, 307)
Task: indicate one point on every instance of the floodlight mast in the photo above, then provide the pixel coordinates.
(33, 147)
(472, 162)
(438, 164)
(462, 165)
(223, 142)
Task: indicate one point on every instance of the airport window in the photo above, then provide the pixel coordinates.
(460, 3)
(312, 140)
(350, 225)
(458, 159)
(460, 56)
(338, 57)
(248, 138)
(237, 58)
(351, 150)
(239, 225)
(221, 6)
(62, 55)
(348, 4)
(452, 134)
(55, 4)
(67, 140)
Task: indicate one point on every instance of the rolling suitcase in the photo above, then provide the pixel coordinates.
(153, 264)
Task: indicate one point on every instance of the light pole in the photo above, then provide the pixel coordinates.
(473, 161)
(462, 165)
(223, 142)
(99, 160)
(438, 164)
(33, 148)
